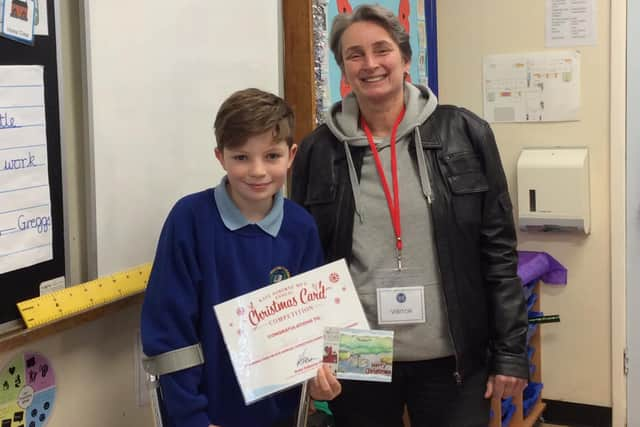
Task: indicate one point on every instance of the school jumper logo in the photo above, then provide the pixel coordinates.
(278, 274)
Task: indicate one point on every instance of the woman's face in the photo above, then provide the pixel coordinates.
(373, 63)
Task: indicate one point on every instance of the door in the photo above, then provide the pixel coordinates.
(633, 213)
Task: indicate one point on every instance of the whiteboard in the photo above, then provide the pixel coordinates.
(156, 72)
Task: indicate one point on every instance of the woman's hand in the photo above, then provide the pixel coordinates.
(503, 386)
(325, 386)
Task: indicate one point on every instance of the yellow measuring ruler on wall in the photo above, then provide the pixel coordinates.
(68, 301)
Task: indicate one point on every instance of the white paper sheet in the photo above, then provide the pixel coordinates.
(570, 23)
(40, 21)
(25, 201)
(532, 87)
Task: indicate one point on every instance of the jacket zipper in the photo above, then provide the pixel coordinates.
(456, 374)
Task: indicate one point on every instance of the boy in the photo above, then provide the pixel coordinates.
(221, 243)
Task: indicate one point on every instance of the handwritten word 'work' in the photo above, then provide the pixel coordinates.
(20, 163)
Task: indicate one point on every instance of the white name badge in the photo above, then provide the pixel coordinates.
(401, 305)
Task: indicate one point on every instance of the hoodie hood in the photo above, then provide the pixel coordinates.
(343, 117)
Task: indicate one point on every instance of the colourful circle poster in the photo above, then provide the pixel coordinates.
(27, 391)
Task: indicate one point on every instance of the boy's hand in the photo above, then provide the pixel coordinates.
(325, 386)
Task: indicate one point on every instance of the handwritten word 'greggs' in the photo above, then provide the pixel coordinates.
(305, 295)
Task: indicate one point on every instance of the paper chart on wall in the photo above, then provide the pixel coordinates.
(25, 201)
(532, 87)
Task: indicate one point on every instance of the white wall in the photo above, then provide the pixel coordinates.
(156, 73)
(576, 355)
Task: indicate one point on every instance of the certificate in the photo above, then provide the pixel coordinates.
(274, 335)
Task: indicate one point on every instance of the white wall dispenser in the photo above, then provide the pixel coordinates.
(553, 189)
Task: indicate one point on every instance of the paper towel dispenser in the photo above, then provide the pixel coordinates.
(553, 189)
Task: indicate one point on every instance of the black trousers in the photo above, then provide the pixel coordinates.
(427, 388)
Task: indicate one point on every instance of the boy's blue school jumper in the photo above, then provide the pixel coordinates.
(207, 254)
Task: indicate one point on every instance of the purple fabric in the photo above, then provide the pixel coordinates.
(542, 266)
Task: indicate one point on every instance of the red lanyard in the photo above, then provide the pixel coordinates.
(393, 203)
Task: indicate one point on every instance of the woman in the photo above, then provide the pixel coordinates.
(414, 196)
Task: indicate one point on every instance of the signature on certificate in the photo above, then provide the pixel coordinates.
(303, 359)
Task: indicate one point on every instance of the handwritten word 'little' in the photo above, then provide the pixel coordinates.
(7, 122)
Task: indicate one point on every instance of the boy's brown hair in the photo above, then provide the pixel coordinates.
(251, 112)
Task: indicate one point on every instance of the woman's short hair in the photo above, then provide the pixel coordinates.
(369, 13)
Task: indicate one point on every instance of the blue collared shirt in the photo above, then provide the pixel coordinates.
(233, 218)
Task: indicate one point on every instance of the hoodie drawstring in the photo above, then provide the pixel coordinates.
(353, 178)
(423, 169)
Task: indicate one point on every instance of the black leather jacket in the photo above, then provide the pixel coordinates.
(472, 221)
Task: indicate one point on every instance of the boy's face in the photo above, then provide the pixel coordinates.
(256, 171)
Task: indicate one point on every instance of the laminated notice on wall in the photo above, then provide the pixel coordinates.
(17, 20)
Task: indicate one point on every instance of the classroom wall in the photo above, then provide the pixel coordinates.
(576, 353)
(94, 362)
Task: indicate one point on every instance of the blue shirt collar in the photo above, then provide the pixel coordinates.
(233, 218)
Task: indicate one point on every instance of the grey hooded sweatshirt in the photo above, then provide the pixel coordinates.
(373, 234)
